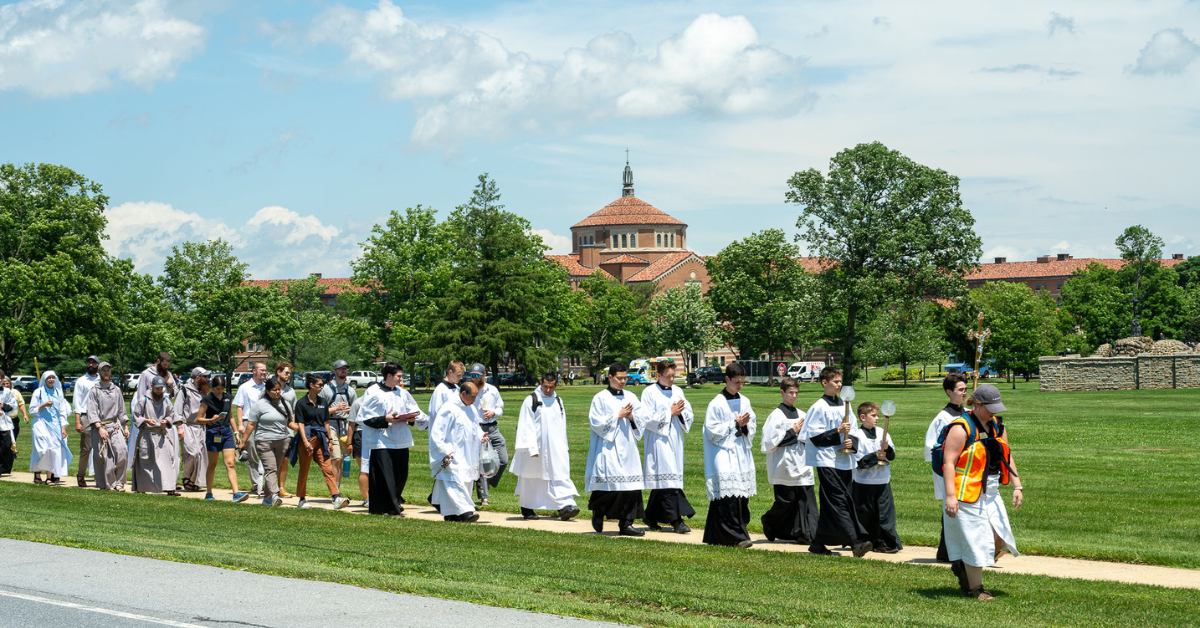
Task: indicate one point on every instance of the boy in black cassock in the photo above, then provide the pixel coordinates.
(872, 488)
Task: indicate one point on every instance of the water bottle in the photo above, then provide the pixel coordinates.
(345, 466)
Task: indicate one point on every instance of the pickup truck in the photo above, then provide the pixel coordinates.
(362, 379)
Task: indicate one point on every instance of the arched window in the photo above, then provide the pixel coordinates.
(624, 241)
(672, 240)
(633, 240)
(615, 240)
(658, 239)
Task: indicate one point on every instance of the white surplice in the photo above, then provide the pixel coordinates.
(614, 463)
(455, 432)
(728, 454)
(542, 460)
(663, 441)
(821, 417)
(786, 465)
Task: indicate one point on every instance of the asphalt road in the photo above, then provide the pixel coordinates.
(47, 586)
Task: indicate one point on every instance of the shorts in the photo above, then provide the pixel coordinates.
(218, 438)
(356, 443)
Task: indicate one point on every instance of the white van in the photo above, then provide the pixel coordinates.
(805, 371)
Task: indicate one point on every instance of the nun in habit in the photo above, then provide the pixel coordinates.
(49, 430)
(155, 454)
(110, 427)
(455, 439)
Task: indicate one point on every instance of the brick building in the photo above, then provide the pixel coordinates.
(1048, 272)
(329, 291)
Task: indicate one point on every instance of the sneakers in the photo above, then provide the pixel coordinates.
(745, 544)
(568, 513)
(340, 503)
(483, 502)
(303, 505)
(240, 497)
(284, 494)
(208, 497)
(273, 500)
(980, 593)
(366, 503)
(860, 549)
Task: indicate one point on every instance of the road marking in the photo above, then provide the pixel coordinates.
(146, 618)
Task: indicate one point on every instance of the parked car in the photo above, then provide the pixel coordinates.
(513, 379)
(239, 378)
(24, 383)
(706, 374)
(298, 380)
(362, 379)
(130, 381)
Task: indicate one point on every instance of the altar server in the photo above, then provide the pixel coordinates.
(447, 389)
(729, 475)
(955, 387)
(455, 440)
(667, 415)
(49, 431)
(193, 455)
(824, 437)
(109, 426)
(613, 474)
(872, 488)
(542, 460)
(155, 454)
(793, 516)
(387, 413)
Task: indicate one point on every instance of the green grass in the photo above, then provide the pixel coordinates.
(623, 580)
(1108, 475)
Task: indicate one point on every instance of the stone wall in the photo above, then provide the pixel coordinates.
(1144, 371)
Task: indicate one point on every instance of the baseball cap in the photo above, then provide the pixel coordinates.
(158, 381)
(989, 396)
(200, 371)
(478, 369)
(340, 364)
(92, 358)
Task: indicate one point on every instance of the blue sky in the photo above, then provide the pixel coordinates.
(290, 128)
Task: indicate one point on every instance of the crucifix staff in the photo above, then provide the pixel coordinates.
(979, 334)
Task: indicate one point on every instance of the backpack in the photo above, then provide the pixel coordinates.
(537, 402)
(939, 450)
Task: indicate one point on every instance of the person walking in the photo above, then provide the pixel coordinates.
(220, 436)
(156, 454)
(83, 386)
(339, 395)
(8, 414)
(244, 400)
(489, 407)
(267, 428)
(109, 427)
(49, 431)
(313, 433)
(194, 458)
(283, 373)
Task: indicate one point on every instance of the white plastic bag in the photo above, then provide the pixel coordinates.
(489, 462)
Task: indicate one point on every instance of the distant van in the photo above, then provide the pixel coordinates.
(644, 370)
(805, 371)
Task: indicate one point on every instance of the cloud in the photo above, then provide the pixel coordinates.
(881, 22)
(559, 244)
(1060, 23)
(466, 84)
(1168, 52)
(1029, 67)
(278, 82)
(276, 242)
(58, 47)
(282, 140)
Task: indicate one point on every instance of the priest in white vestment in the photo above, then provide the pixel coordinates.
(614, 467)
(668, 416)
(542, 460)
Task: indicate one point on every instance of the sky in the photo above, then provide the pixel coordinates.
(291, 128)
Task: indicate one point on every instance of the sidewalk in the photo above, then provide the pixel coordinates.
(1025, 564)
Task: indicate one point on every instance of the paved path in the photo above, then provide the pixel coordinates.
(1026, 564)
(48, 586)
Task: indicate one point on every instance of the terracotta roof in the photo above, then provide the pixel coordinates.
(624, 258)
(332, 285)
(629, 210)
(1044, 270)
(663, 265)
(574, 268)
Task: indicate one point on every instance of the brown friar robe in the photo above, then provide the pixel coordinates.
(194, 457)
(155, 456)
(106, 413)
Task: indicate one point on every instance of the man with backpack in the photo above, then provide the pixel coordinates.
(542, 462)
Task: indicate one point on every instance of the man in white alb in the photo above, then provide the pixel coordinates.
(614, 468)
(542, 460)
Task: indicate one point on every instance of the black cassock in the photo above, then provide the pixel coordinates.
(793, 516)
(727, 521)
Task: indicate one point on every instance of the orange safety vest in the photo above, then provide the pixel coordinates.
(970, 470)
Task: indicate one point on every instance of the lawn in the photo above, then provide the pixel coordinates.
(1107, 474)
(624, 580)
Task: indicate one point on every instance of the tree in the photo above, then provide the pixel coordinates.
(501, 302)
(1100, 301)
(1023, 323)
(905, 333)
(1143, 250)
(888, 229)
(145, 324)
(292, 322)
(404, 267)
(59, 285)
(606, 323)
(762, 295)
(684, 321)
(217, 313)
